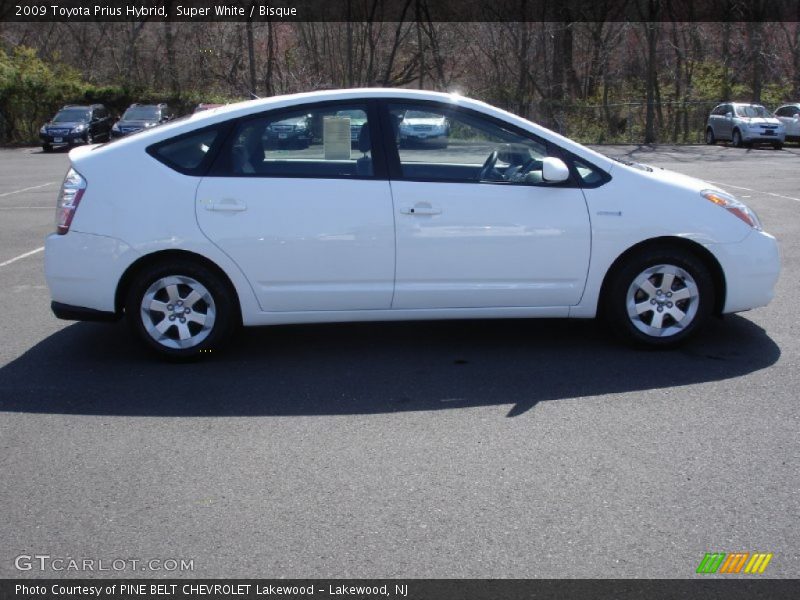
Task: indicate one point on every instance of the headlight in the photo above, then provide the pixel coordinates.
(733, 206)
(43, 129)
(79, 128)
(115, 127)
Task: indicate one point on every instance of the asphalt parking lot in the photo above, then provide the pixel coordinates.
(479, 449)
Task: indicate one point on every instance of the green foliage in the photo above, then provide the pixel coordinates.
(31, 91)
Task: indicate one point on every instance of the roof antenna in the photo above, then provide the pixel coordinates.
(254, 97)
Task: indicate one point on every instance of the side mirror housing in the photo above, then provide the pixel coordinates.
(729, 115)
(554, 170)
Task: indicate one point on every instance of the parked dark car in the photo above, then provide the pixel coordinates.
(76, 124)
(141, 116)
(294, 132)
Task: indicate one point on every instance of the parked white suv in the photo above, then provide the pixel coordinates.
(789, 115)
(743, 125)
(195, 227)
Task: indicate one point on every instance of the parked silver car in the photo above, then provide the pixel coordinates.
(789, 115)
(743, 125)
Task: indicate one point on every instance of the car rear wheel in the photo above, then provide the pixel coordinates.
(659, 298)
(710, 139)
(180, 309)
(737, 139)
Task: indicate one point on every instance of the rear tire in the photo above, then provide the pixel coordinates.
(180, 309)
(659, 298)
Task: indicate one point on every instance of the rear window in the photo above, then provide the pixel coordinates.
(188, 153)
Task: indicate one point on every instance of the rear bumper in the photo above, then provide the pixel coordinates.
(83, 270)
(81, 313)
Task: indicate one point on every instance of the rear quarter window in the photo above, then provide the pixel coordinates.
(189, 153)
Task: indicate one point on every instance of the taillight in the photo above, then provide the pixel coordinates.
(68, 199)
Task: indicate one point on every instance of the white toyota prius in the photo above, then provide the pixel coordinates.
(193, 228)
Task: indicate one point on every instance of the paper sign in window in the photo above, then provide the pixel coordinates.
(336, 138)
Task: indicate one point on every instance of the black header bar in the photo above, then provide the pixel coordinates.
(401, 10)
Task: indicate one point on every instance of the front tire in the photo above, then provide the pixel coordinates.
(778, 146)
(180, 309)
(659, 298)
(737, 139)
(710, 139)
(47, 148)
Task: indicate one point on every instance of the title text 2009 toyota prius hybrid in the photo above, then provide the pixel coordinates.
(192, 228)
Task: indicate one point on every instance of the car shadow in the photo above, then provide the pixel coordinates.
(367, 368)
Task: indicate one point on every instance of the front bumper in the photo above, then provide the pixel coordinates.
(67, 138)
(751, 268)
(758, 136)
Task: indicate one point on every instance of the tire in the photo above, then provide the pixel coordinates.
(777, 146)
(162, 294)
(89, 139)
(47, 148)
(737, 139)
(710, 139)
(678, 311)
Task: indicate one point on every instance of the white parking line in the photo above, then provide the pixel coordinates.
(738, 187)
(27, 189)
(21, 256)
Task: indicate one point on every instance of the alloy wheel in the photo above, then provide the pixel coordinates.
(178, 312)
(662, 300)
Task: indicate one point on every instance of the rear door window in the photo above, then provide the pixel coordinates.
(320, 141)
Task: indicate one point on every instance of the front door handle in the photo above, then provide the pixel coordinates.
(421, 209)
(225, 204)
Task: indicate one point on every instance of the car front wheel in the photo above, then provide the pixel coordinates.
(710, 139)
(737, 139)
(180, 309)
(660, 298)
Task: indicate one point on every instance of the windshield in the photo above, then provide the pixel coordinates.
(71, 115)
(754, 110)
(418, 114)
(141, 113)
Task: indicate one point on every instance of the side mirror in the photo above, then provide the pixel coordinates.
(797, 115)
(554, 170)
(729, 115)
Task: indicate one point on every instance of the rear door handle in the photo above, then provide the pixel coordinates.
(225, 204)
(421, 209)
